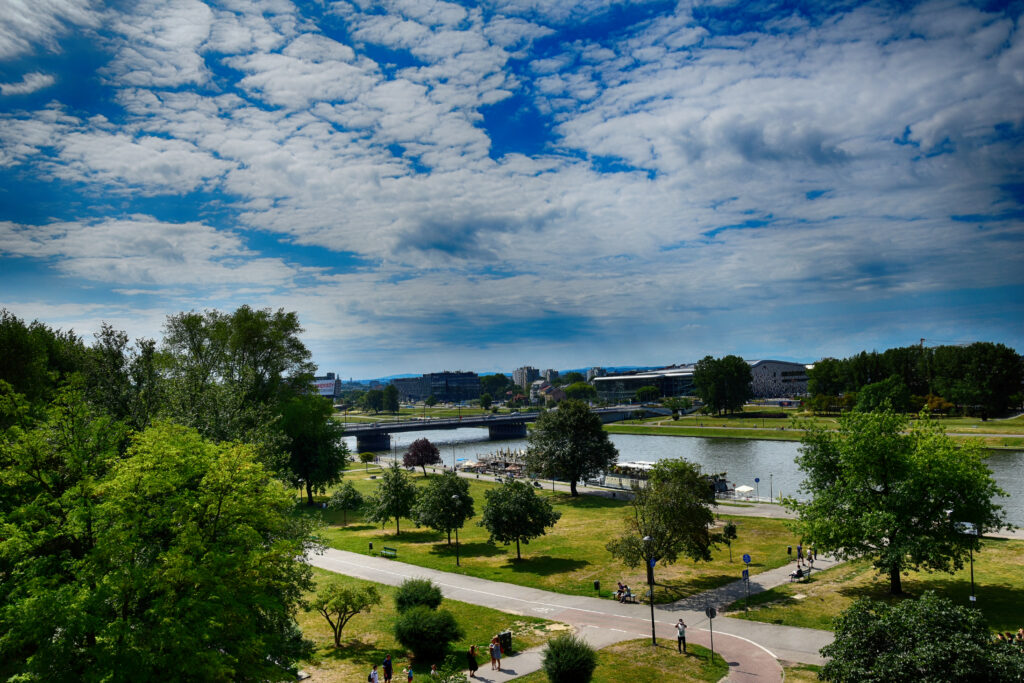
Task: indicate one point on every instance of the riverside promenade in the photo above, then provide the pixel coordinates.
(752, 649)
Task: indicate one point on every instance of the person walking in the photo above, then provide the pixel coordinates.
(388, 668)
(495, 654)
(372, 678)
(471, 661)
(681, 636)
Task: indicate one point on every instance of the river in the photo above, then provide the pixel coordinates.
(744, 460)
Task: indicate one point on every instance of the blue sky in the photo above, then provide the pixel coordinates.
(483, 185)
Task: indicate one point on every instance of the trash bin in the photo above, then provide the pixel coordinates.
(505, 640)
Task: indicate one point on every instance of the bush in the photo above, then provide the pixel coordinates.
(426, 632)
(569, 659)
(416, 593)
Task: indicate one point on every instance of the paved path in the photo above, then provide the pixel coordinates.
(751, 648)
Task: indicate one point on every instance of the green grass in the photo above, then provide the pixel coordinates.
(566, 560)
(710, 432)
(367, 637)
(801, 673)
(999, 586)
(636, 660)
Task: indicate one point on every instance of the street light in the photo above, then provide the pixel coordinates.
(972, 529)
(457, 501)
(650, 583)
(771, 493)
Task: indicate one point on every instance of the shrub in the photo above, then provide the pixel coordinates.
(426, 632)
(417, 592)
(569, 659)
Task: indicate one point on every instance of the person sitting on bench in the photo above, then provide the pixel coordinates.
(620, 591)
(627, 596)
(798, 574)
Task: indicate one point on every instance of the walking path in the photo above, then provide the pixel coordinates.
(751, 648)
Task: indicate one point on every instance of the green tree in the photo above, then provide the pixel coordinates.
(723, 384)
(426, 632)
(486, 400)
(373, 400)
(826, 378)
(431, 401)
(568, 658)
(394, 498)
(36, 360)
(895, 495)
(647, 394)
(339, 602)
(444, 504)
(420, 454)
(417, 593)
(729, 535)
(890, 393)
(366, 459)
(390, 399)
(345, 498)
(929, 640)
(573, 378)
(580, 391)
(677, 405)
(673, 509)
(496, 384)
(514, 512)
(570, 443)
(317, 454)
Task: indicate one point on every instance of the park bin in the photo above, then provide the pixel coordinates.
(505, 640)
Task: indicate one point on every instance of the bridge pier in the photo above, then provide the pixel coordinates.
(506, 430)
(376, 441)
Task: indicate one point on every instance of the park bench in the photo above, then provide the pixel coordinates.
(388, 552)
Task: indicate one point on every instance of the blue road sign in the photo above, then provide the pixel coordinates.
(746, 558)
(652, 562)
(746, 574)
(757, 480)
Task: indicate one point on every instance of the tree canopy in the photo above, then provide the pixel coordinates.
(514, 512)
(394, 498)
(496, 384)
(673, 509)
(345, 498)
(724, 384)
(317, 454)
(421, 453)
(580, 391)
(390, 399)
(444, 504)
(894, 493)
(338, 602)
(570, 443)
(647, 394)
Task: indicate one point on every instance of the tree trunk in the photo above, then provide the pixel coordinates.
(309, 493)
(895, 584)
(344, 517)
(572, 488)
(398, 529)
(449, 537)
(337, 638)
(518, 556)
(424, 468)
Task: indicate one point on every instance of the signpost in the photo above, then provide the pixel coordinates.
(711, 613)
(746, 580)
(757, 492)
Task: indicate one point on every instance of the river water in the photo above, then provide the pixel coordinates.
(744, 460)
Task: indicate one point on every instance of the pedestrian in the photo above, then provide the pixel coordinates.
(800, 554)
(408, 674)
(434, 673)
(471, 661)
(495, 654)
(388, 668)
(681, 636)
(372, 678)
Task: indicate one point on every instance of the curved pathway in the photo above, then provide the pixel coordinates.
(603, 621)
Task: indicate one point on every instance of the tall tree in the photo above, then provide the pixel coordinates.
(373, 400)
(496, 384)
(316, 452)
(486, 400)
(444, 504)
(895, 495)
(36, 360)
(580, 391)
(390, 399)
(890, 393)
(647, 394)
(338, 602)
(723, 384)
(514, 512)
(420, 454)
(570, 443)
(673, 509)
(345, 498)
(394, 498)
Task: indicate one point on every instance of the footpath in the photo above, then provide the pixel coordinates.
(752, 649)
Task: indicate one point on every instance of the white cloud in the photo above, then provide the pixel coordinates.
(29, 83)
(161, 44)
(25, 24)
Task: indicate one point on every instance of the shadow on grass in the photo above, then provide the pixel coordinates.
(354, 650)
(466, 550)
(544, 565)
(587, 502)
(417, 536)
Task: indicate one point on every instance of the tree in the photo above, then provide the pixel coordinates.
(677, 405)
(37, 360)
(339, 602)
(496, 384)
(580, 391)
(445, 504)
(647, 394)
(373, 400)
(417, 593)
(895, 495)
(514, 512)
(317, 454)
(729, 535)
(345, 498)
(366, 459)
(573, 378)
(393, 499)
(420, 454)
(723, 384)
(890, 393)
(929, 639)
(826, 378)
(426, 632)
(431, 401)
(673, 509)
(390, 399)
(570, 443)
(568, 658)
(486, 400)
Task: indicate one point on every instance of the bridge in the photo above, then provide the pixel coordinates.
(376, 436)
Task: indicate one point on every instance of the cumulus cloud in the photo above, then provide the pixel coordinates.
(26, 24)
(29, 83)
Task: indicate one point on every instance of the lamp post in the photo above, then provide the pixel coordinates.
(771, 492)
(650, 583)
(972, 529)
(456, 501)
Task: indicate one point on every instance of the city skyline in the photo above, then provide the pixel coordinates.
(481, 186)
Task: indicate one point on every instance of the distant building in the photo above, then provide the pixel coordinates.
(448, 387)
(525, 376)
(770, 379)
(328, 385)
(550, 375)
(537, 386)
(595, 372)
(550, 394)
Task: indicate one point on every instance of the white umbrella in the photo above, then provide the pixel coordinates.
(744, 489)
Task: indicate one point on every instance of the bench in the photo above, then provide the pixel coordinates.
(628, 598)
(388, 552)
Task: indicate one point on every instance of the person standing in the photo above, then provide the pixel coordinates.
(681, 636)
(471, 661)
(372, 678)
(388, 668)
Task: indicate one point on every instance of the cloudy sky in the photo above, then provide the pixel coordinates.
(483, 185)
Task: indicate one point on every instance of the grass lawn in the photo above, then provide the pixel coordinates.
(566, 560)
(636, 660)
(801, 673)
(367, 637)
(998, 576)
